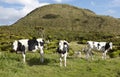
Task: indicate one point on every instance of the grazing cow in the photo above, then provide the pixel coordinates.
(23, 45)
(104, 47)
(63, 49)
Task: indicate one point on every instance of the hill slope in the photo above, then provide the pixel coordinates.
(62, 21)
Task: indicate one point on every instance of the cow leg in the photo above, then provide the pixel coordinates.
(42, 55)
(23, 55)
(60, 61)
(87, 56)
(61, 57)
(65, 57)
(91, 54)
(104, 54)
(88, 53)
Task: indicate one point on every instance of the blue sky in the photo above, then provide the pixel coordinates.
(13, 10)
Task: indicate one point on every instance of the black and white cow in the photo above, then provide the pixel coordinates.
(63, 49)
(23, 45)
(104, 47)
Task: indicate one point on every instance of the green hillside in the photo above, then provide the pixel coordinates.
(62, 21)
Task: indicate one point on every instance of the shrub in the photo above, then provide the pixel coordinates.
(50, 16)
(51, 47)
(115, 54)
(5, 47)
(71, 52)
(82, 42)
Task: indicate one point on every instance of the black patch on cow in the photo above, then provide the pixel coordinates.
(42, 43)
(98, 45)
(21, 47)
(32, 43)
(59, 51)
(107, 46)
(65, 49)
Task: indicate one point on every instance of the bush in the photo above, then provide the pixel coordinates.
(5, 47)
(50, 16)
(51, 47)
(71, 52)
(115, 54)
(82, 42)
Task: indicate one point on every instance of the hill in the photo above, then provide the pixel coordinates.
(62, 21)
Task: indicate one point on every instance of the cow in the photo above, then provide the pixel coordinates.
(104, 47)
(63, 48)
(24, 45)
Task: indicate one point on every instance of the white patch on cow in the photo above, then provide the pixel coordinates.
(39, 39)
(25, 43)
(111, 45)
(61, 45)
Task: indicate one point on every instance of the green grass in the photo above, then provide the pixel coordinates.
(11, 65)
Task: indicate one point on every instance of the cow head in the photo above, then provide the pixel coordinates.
(63, 46)
(110, 43)
(40, 42)
(15, 45)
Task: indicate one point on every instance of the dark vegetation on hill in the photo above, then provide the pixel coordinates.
(62, 21)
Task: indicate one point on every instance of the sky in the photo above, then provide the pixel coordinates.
(13, 10)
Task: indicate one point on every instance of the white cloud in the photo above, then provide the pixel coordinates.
(29, 5)
(58, 1)
(10, 15)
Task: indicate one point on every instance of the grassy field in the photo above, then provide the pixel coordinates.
(11, 65)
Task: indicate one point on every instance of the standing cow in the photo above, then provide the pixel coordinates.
(63, 49)
(32, 45)
(104, 47)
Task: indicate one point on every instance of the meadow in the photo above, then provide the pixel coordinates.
(11, 65)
